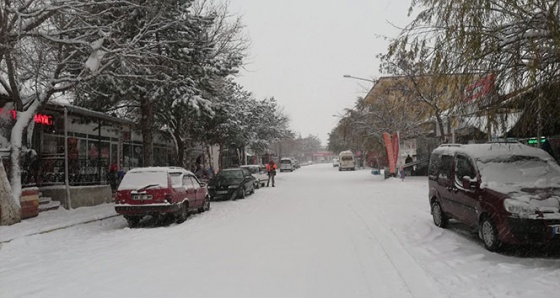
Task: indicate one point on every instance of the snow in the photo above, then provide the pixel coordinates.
(318, 233)
(137, 180)
(97, 54)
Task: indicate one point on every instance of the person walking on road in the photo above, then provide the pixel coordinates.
(271, 169)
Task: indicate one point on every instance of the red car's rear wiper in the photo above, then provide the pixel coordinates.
(146, 187)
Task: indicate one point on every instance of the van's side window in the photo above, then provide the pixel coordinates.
(435, 161)
(446, 167)
(464, 168)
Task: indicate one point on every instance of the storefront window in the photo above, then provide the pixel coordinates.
(50, 144)
(114, 154)
(138, 160)
(126, 155)
(160, 156)
(83, 148)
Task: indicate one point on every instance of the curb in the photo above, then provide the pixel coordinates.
(59, 228)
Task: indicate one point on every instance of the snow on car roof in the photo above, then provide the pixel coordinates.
(160, 169)
(490, 150)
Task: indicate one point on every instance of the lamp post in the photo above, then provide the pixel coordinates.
(357, 78)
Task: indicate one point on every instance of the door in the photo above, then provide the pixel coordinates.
(466, 190)
(179, 192)
(190, 192)
(198, 192)
(248, 180)
(444, 180)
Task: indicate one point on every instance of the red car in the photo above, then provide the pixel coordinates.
(160, 191)
(508, 192)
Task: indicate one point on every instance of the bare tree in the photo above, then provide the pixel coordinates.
(517, 41)
(49, 47)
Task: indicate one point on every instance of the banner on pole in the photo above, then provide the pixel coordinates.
(390, 152)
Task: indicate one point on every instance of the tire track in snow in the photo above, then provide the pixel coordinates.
(428, 250)
(411, 273)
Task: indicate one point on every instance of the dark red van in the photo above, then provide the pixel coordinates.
(509, 192)
(157, 191)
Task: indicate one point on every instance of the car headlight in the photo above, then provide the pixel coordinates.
(517, 207)
(233, 186)
(211, 187)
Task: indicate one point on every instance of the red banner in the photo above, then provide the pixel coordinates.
(390, 152)
(392, 145)
(395, 148)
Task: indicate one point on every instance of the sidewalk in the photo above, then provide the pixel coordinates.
(48, 221)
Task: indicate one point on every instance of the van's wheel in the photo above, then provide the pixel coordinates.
(489, 234)
(183, 213)
(133, 221)
(439, 217)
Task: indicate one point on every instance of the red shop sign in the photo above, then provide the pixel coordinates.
(38, 118)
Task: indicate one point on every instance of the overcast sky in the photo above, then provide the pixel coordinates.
(302, 48)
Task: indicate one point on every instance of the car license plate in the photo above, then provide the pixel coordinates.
(555, 230)
(222, 192)
(141, 197)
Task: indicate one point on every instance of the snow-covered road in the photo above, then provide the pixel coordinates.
(318, 233)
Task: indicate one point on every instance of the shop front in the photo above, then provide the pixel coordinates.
(96, 147)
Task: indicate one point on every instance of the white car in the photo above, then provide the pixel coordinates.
(259, 172)
(286, 164)
(347, 161)
(335, 162)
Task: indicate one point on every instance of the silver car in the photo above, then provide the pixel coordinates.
(259, 172)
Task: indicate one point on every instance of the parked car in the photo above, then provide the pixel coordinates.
(259, 172)
(157, 191)
(508, 192)
(230, 184)
(335, 162)
(347, 161)
(286, 164)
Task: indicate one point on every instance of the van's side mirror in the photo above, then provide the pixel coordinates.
(469, 183)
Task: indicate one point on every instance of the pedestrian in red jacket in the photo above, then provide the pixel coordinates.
(271, 169)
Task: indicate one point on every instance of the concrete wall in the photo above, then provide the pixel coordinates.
(80, 195)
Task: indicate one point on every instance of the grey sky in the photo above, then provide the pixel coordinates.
(302, 48)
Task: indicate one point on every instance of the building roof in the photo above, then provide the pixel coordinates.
(59, 106)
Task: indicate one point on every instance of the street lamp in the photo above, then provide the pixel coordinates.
(352, 77)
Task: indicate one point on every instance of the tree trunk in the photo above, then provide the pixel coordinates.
(10, 203)
(147, 116)
(221, 157)
(180, 152)
(10, 210)
(440, 126)
(210, 160)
